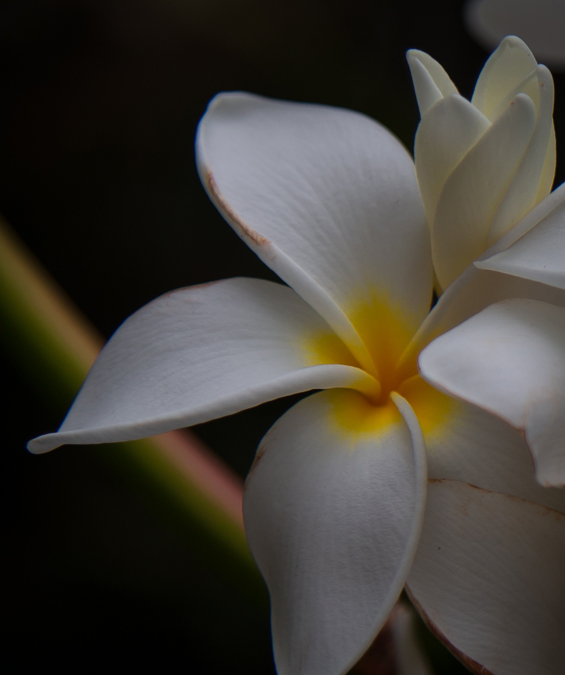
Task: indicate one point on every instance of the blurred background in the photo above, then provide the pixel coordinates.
(99, 104)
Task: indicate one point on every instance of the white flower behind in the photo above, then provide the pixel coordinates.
(538, 22)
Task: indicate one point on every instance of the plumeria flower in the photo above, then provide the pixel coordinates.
(482, 165)
(380, 479)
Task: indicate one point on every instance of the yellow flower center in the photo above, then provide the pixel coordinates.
(385, 332)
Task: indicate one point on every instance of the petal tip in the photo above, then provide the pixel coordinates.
(413, 55)
(515, 42)
(42, 444)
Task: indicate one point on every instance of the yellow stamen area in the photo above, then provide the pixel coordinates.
(354, 416)
(322, 348)
(385, 332)
(430, 405)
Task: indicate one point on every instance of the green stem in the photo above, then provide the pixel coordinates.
(55, 346)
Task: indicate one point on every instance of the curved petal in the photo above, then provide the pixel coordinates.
(445, 135)
(328, 199)
(201, 353)
(534, 177)
(478, 288)
(548, 170)
(431, 82)
(472, 292)
(475, 189)
(538, 254)
(504, 72)
(468, 444)
(541, 211)
(332, 512)
(488, 579)
(510, 360)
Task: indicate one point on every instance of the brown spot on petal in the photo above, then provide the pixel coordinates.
(230, 214)
(467, 661)
(255, 464)
(261, 450)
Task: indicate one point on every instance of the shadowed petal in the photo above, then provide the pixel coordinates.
(200, 353)
(476, 188)
(468, 444)
(534, 177)
(512, 69)
(444, 136)
(478, 288)
(488, 578)
(510, 360)
(538, 254)
(332, 513)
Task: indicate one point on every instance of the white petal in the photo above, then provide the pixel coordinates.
(332, 511)
(475, 189)
(445, 135)
(538, 254)
(539, 23)
(478, 288)
(468, 444)
(534, 177)
(472, 292)
(548, 171)
(542, 210)
(201, 353)
(431, 82)
(488, 578)
(327, 198)
(505, 70)
(510, 360)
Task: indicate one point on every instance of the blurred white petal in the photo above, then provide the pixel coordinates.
(541, 24)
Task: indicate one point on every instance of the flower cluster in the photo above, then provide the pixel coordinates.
(433, 457)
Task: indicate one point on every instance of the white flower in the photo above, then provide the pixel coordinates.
(335, 508)
(538, 22)
(482, 165)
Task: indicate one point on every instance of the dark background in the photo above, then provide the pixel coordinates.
(99, 104)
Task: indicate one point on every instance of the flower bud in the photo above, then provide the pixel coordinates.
(481, 165)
